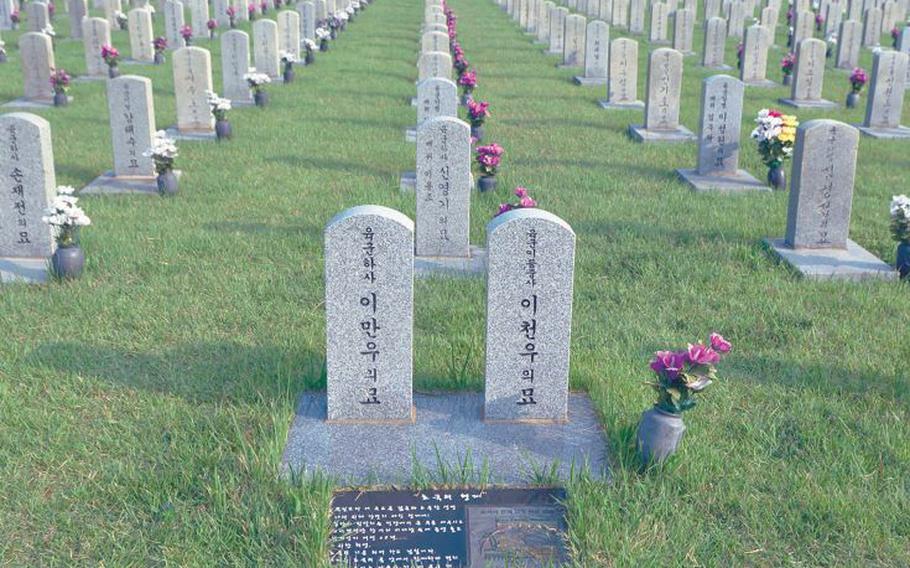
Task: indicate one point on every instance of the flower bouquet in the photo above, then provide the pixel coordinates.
(858, 79)
(257, 82)
(323, 35)
(15, 18)
(163, 153)
(478, 111)
(220, 107)
(251, 10)
(186, 32)
(900, 232)
(111, 57)
(488, 160)
(679, 375)
(819, 21)
(66, 218)
(787, 63)
(310, 47)
(895, 36)
(775, 135)
(60, 83)
(288, 60)
(263, 7)
(160, 46)
(232, 16)
(468, 82)
(212, 25)
(525, 201)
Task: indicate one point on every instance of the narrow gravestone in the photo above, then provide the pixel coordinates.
(36, 55)
(849, 41)
(621, 14)
(37, 16)
(659, 23)
(27, 163)
(809, 76)
(665, 68)
(886, 96)
(904, 47)
(754, 68)
(434, 64)
(78, 9)
(6, 9)
(855, 10)
(235, 63)
(434, 41)
(307, 11)
(111, 9)
(558, 30)
(265, 48)
(289, 33)
(803, 28)
(142, 48)
(622, 81)
(199, 16)
(769, 22)
(715, 44)
(219, 13)
(369, 308)
(173, 21)
(132, 117)
(606, 11)
(96, 32)
(321, 10)
(872, 27)
(817, 243)
(718, 140)
(192, 80)
(530, 275)
(683, 30)
(436, 96)
(597, 52)
(736, 20)
(543, 19)
(573, 54)
(712, 10)
(833, 18)
(637, 16)
(533, 12)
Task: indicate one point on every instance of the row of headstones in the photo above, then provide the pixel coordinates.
(369, 295)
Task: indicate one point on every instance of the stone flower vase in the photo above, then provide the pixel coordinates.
(903, 259)
(324, 45)
(310, 58)
(113, 71)
(288, 73)
(852, 99)
(787, 79)
(261, 98)
(777, 179)
(477, 132)
(486, 184)
(659, 434)
(68, 261)
(167, 183)
(466, 98)
(159, 58)
(223, 130)
(60, 98)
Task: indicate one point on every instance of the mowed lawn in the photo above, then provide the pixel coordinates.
(143, 408)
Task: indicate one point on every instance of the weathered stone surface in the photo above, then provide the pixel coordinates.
(111, 9)
(266, 58)
(712, 10)
(753, 71)
(307, 11)
(659, 23)
(140, 30)
(620, 14)
(530, 275)
(235, 63)
(683, 30)
(173, 21)
(715, 44)
(736, 19)
(436, 97)
(558, 30)
(77, 9)
(37, 17)
(36, 55)
(622, 85)
(369, 305)
(803, 27)
(443, 188)
(192, 78)
(199, 17)
(872, 27)
(886, 96)
(321, 10)
(434, 41)
(573, 54)
(597, 54)
(637, 16)
(220, 15)
(849, 41)
(96, 32)
(769, 18)
(543, 21)
(132, 116)
(27, 166)
(434, 64)
(289, 33)
(809, 76)
(665, 67)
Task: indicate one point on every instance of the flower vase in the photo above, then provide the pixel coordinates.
(324, 45)
(659, 434)
(113, 71)
(261, 98)
(211, 34)
(777, 179)
(486, 184)
(223, 130)
(787, 79)
(159, 58)
(187, 41)
(60, 98)
(288, 74)
(466, 98)
(167, 182)
(852, 99)
(68, 261)
(3, 58)
(233, 24)
(309, 59)
(477, 132)
(903, 259)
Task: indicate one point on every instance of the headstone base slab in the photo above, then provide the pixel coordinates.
(634, 105)
(410, 135)
(90, 78)
(242, 103)
(449, 429)
(137, 62)
(414, 102)
(641, 134)
(853, 263)
(742, 182)
(590, 81)
(764, 84)
(196, 136)
(23, 270)
(474, 266)
(885, 133)
(108, 184)
(821, 103)
(568, 66)
(33, 103)
(408, 182)
(717, 67)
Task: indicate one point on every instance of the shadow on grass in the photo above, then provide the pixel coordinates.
(197, 372)
(265, 230)
(333, 165)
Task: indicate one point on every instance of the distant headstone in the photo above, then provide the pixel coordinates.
(712, 10)
(436, 96)
(886, 96)
(817, 242)
(620, 14)
(96, 32)
(78, 9)
(683, 30)
(141, 40)
(37, 17)
(809, 76)
(855, 10)
(173, 21)
(833, 18)
(307, 11)
(718, 139)
(220, 15)
(904, 47)
(289, 33)
(235, 63)
(443, 189)
(533, 12)
(597, 51)
(558, 30)
(872, 27)
(665, 68)
(543, 21)
(434, 41)
(369, 308)
(736, 19)
(192, 79)
(659, 23)
(265, 47)
(715, 43)
(530, 276)
(199, 17)
(849, 41)
(637, 16)
(321, 10)
(36, 55)
(769, 21)
(132, 116)
(573, 54)
(434, 64)
(753, 71)
(622, 82)
(6, 9)
(111, 9)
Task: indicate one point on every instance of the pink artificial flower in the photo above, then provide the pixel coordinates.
(669, 362)
(504, 208)
(521, 192)
(211, 24)
(698, 354)
(527, 202)
(186, 32)
(719, 344)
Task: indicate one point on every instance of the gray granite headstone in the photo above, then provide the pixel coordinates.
(111, 9)
(768, 21)
(849, 41)
(289, 33)
(597, 53)
(718, 139)
(132, 116)
(620, 14)
(173, 21)
(78, 9)
(753, 71)
(436, 97)
(369, 308)
(803, 27)
(855, 10)
(192, 79)
(665, 68)
(37, 16)
(266, 58)
(235, 63)
(712, 10)
(443, 188)
(683, 30)
(533, 12)
(543, 21)
(886, 96)
(558, 29)
(434, 41)
(872, 27)
(434, 64)
(36, 54)
(307, 11)
(530, 276)
(141, 40)
(199, 17)
(6, 9)
(817, 242)
(736, 19)
(715, 44)
(96, 32)
(637, 16)
(809, 76)
(573, 54)
(622, 82)
(659, 23)
(833, 18)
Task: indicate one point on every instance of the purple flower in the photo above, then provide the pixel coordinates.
(521, 192)
(698, 354)
(719, 344)
(668, 362)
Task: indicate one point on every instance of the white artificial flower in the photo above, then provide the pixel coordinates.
(288, 57)
(257, 79)
(217, 103)
(162, 147)
(322, 33)
(309, 44)
(900, 205)
(63, 211)
(49, 30)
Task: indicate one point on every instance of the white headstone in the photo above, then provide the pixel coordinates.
(141, 41)
(289, 33)
(265, 47)
(132, 116)
(36, 55)
(235, 63)
(96, 32)
(192, 79)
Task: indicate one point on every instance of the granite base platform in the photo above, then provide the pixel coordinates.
(634, 105)
(589, 81)
(129, 61)
(885, 133)
(852, 263)
(108, 184)
(410, 135)
(717, 68)
(475, 266)
(821, 103)
(200, 136)
(641, 134)
(33, 103)
(740, 183)
(90, 78)
(763, 84)
(414, 102)
(447, 434)
(24, 270)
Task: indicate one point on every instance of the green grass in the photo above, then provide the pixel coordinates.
(143, 409)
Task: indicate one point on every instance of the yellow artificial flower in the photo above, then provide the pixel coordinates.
(789, 120)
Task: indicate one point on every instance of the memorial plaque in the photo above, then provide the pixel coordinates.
(456, 528)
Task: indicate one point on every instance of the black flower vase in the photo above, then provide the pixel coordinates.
(60, 98)
(3, 58)
(261, 98)
(223, 130)
(477, 132)
(288, 74)
(852, 100)
(777, 179)
(113, 71)
(786, 80)
(903, 259)
(68, 262)
(486, 184)
(159, 58)
(167, 182)
(188, 41)
(310, 58)
(324, 45)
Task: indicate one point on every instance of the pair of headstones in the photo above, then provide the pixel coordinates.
(369, 279)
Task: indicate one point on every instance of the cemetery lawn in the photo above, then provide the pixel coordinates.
(144, 408)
